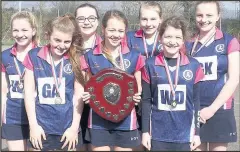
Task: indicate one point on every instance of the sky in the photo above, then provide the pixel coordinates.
(229, 6)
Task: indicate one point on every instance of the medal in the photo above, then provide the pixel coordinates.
(154, 45)
(172, 88)
(20, 85)
(113, 61)
(58, 99)
(174, 103)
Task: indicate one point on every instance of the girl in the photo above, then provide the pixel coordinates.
(112, 53)
(15, 127)
(218, 54)
(146, 40)
(88, 18)
(54, 71)
(170, 101)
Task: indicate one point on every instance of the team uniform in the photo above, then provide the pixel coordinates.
(214, 60)
(102, 132)
(53, 116)
(171, 127)
(15, 122)
(85, 113)
(136, 42)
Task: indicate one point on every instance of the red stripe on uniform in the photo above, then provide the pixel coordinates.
(3, 68)
(199, 75)
(140, 63)
(233, 46)
(145, 76)
(90, 119)
(28, 63)
(229, 103)
(133, 120)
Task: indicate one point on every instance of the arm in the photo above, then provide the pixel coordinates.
(140, 64)
(196, 102)
(77, 105)
(36, 131)
(4, 95)
(71, 134)
(231, 84)
(146, 109)
(29, 99)
(146, 101)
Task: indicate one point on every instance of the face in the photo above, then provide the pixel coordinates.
(60, 42)
(206, 16)
(149, 20)
(87, 20)
(22, 32)
(172, 40)
(114, 32)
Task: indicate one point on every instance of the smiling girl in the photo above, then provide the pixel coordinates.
(54, 72)
(170, 101)
(113, 53)
(15, 127)
(218, 53)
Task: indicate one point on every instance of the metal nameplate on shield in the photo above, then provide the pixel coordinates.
(111, 94)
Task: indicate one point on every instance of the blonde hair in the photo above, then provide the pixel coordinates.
(31, 19)
(153, 5)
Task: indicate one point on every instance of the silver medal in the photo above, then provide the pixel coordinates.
(58, 100)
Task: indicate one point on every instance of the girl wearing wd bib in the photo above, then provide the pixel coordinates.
(218, 54)
(170, 101)
(88, 20)
(113, 53)
(54, 71)
(15, 127)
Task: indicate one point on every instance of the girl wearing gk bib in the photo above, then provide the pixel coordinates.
(54, 71)
(15, 127)
(170, 101)
(218, 54)
(88, 20)
(113, 52)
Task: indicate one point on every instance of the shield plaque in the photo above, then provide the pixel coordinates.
(112, 93)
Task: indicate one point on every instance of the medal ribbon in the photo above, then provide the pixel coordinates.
(173, 88)
(193, 52)
(57, 83)
(17, 66)
(154, 44)
(109, 57)
(18, 69)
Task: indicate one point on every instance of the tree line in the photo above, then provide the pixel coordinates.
(45, 11)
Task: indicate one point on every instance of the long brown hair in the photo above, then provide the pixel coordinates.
(68, 24)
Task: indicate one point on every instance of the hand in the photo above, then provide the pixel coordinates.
(195, 142)
(85, 97)
(206, 113)
(146, 140)
(36, 132)
(71, 136)
(137, 97)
